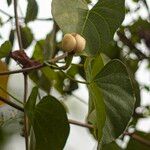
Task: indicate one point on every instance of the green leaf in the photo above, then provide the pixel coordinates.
(26, 36)
(29, 106)
(113, 51)
(47, 75)
(97, 25)
(38, 53)
(88, 1)
(5, 49)
(42, 49)
(32, 140)
(114, 83)
(32, 11)
(32, 100)
(9, 2)
(59, 85)
(93, 66)
(1, 23)
(97, 98)
(12, 36)
(50, 124)
(67, 14)
(132, 66)
(111, 146)
(40, 79)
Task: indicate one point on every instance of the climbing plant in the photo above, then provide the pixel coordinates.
(109, 58)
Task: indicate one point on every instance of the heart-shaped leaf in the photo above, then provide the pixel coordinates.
(114, 84)
(97, 25)
(49, 121)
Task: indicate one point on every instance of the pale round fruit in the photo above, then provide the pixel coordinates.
(68, 43)
(81, 42)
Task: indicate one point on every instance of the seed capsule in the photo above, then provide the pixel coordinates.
(68, 43)
(73, 42)
(81, 42)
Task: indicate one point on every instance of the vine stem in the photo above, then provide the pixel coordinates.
(5, 13)
(25, 116)
(17, 25)
(22, 70)
(74, 122)
(25, 74)
(54, 60)
(138, 138)
(38, 19)
(11, 104)
(82, 82)
(17, 100)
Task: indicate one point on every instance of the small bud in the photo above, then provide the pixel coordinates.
(68, 43)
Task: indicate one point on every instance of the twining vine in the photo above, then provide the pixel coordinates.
(30, 65)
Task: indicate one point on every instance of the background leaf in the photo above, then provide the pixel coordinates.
(26, 36)
(32, 101)
(41, 80)
(5, 49)
(44, 77)
(9, 2)
(32, 11)
(12, 36)
(97, 25)
(50, 123)
(3, 81)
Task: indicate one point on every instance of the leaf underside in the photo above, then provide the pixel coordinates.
(97, 25)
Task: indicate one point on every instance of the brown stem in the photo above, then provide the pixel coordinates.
(25, 75)
(80, 99)
(132, 47)
(138, 138)
(5, 13)
(38, 19)
(17, 25)
(54, 60)
(74, 122)
(22, 70)
(11, 104)
(25, 116)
